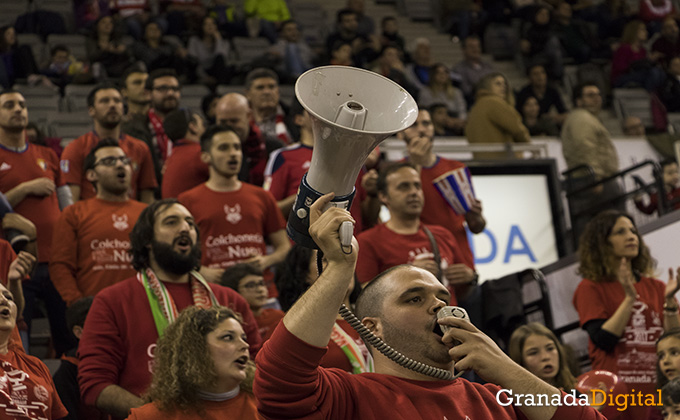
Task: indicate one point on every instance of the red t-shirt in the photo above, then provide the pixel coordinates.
(438, 212)
(380, 248)
(7, 255)
(98, 234)
(286, 168)
(18, 167)
(234, 225)
(184, 169)
(634, 357)
(268, 320)
(26, 389)
(241, 407)
(73, 160)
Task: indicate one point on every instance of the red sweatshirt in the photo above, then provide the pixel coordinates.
(289, 384)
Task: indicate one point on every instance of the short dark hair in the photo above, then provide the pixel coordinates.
(667, 161)
(387, 19)
(90, 159)
(77, 312)
(260, 73)
(578, 90)
(370, 300)
(157, 74)
(388, 170)
(143, 232)
(435, 106)
(670, 393)
(102, 86)
(342, 13)
(9, 90)
(232, 275)
(176, 123)
(138, 67)
(207, 137)
(533, 65)
(57, 48)
(286, 22)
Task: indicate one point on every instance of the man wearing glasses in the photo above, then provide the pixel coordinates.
(105, 106)
(97, 230)
(165, 96)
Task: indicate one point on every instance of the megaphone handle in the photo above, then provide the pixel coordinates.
(346, 232)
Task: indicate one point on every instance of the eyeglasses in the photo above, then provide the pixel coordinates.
(166, 89)
(113, 160)
(255, 284)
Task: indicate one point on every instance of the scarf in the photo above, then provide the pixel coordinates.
(662, 10)
(159, 139)
(360, 364)
(163, 306)
(280, 127)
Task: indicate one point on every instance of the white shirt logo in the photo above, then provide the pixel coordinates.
(5, 166)
(120, 222)
(233, 213)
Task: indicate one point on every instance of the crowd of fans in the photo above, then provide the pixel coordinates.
(160, 208)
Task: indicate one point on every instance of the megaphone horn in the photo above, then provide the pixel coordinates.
(352, 111)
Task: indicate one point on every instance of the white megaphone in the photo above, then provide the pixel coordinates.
(352, 111)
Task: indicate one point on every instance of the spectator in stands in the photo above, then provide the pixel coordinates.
(157, 53)
(586, 141)
(670, 397)
(653, 13)
(233, 110)
(404, 239)
(211, 51)
(364, 49)
(536, 348)
(105, 50)
(472, 68)
(294, 276)
(166, 93)
(671, 181)
(401, 309)
(202, 369)
(618, 298)
(296, 57)
(230, 17)
(208, 106)
(35, 135)
(249, 282)
(574, 35)
(86, 266)
(270, 14)
(631, 65)
(66, 376)
(389, 34)
(224, 204)
(16, 61)
(341, 54)
(262, 91)
(440, 120)
(539, 43)
(390, 63)
(105, 106)
(36, 190)
(137, 97)
(548, 97)
(418, 71)
(441, 90)
(87, 12)
(29, 389)
(538, 125)
(668, 44)
(462, 18)
(126, 319)
(419, 140)
(493, 118)
(183, 16)
(184, 169)
(670, 89)
(63, 68)
(286, 167)
(365, 23)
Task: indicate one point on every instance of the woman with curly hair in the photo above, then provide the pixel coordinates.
(623, 309)
(293, 277)
(537, 349)
(202, 370)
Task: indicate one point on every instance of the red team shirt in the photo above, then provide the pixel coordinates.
(73, 160)
(184, 169)
(234, 225)
(33, 162)
(438, 212)
(98, 234)
(285, 169)
(380, 248)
